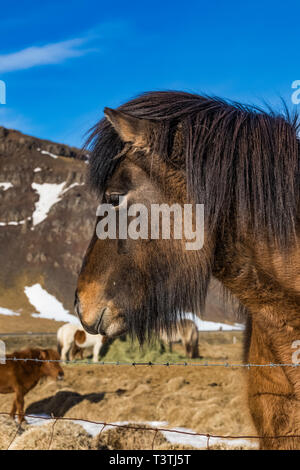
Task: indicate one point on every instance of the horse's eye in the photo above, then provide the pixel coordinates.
(114, 199)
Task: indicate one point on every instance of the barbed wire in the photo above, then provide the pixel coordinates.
(139, 427)
(209, 437)
(150, 363)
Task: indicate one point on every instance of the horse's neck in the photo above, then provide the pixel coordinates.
(32, 377)
(267, 282)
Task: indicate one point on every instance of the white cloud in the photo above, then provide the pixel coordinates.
(48, 54)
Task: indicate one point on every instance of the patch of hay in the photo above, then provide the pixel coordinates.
(205, 399)
(129, 439)
(64, 435)
(8, 430)
(175, 384)
(224, 446)
(140, 438)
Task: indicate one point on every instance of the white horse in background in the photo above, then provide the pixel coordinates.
(72, 338)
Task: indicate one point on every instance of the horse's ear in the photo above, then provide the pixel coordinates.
(43, 354)
(130, 129)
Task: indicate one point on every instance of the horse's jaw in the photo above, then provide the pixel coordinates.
(112, 325)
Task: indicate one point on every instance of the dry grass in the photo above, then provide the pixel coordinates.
(9, 431)
(62, 435)
(67, 435)
(142, 437)
(126, 439)
(205, 399)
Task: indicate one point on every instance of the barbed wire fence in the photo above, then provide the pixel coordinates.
(155, 430)
(150, 363)
(106, 425)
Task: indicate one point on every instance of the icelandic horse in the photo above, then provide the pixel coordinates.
(242, 164)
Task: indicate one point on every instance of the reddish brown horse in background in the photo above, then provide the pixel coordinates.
(21, 376)
(243, 165)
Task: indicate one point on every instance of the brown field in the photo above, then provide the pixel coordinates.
(25, 323)
(203, 399)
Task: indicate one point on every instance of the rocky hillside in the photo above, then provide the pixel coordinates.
(46, 220)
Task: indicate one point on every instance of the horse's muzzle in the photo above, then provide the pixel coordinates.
(104, 321)
(94, 328)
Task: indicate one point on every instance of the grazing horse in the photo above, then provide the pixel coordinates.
(83, 340)
(242, 163)
(65, 341)
(71, 339)
(21, 376)
(186, 332)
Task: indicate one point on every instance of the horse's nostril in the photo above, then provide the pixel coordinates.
(99, 320)
(94, 329)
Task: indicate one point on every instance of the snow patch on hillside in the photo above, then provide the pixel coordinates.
(44, 152)
(49, 194)
(47, 305)
(14, 222)
(8, 312)
(21, 222)
(4, 186)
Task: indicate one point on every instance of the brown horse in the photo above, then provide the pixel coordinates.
(243, 165)
(21, 376)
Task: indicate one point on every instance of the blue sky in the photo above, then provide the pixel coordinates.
(63, 61)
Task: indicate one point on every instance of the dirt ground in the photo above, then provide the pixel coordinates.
(203, 399)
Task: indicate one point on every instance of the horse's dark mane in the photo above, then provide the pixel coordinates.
(239, 160)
